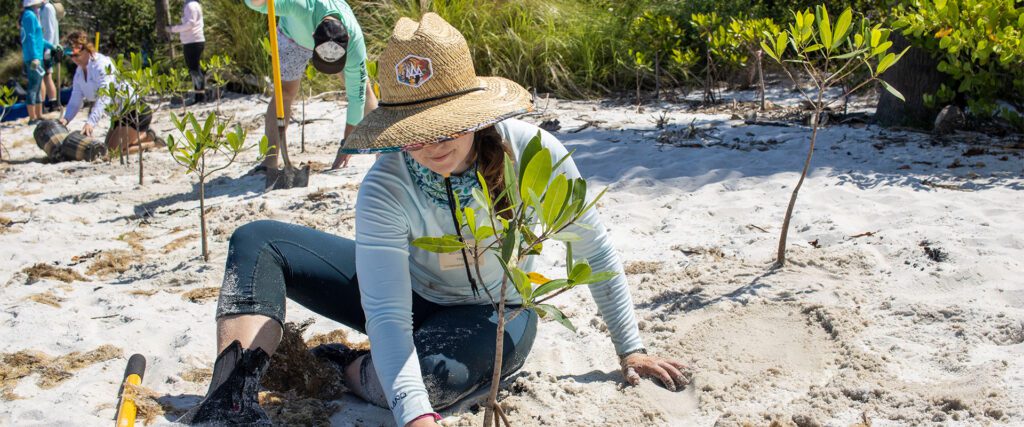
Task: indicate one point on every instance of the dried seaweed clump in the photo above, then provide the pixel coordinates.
(288, 409)
(42, 271)
(51, 370)
(201, 294)
(294, 368)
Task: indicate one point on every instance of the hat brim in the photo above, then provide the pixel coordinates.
(327, 67)
(410, 127)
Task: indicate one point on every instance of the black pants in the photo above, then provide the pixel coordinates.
(269, 261)
(193, 53)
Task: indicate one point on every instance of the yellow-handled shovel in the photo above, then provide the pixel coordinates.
(288, 177)
(126, 409)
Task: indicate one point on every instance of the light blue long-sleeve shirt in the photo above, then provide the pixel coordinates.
(299, 18)
(32, 42)
(391, 211)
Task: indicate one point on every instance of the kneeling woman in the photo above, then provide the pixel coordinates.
(428, 329)
(96, 71)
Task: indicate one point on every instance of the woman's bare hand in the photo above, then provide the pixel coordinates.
(673, 375)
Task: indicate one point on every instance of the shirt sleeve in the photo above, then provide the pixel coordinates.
(355, 79)
(75, 103)
(282, 7)
(49, 23)
(612, 296)
(382, 248)
(28, 26)
(105, 74)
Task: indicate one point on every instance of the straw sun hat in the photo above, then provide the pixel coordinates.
(430, 92)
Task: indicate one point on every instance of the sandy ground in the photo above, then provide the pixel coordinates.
(902, 303)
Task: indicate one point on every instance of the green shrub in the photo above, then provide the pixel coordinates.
(978, 43)
(658, 46)
(125, 26)
(234, 30)
(570, 47)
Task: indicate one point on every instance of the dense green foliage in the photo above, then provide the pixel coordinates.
(585, 48)
(978, 43)
(234, 30)
(124, 25)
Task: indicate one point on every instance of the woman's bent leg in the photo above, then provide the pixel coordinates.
(267, 261)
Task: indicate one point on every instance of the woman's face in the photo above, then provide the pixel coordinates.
(449, 157)
(80, 57)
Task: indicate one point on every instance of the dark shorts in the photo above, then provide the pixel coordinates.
(134, 120)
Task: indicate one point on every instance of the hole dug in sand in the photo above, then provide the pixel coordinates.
(52, 370)
(760, 354)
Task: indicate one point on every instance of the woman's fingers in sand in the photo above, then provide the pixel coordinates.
(672, 374)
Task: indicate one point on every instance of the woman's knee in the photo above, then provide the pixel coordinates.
(254, 234)
(447, 380)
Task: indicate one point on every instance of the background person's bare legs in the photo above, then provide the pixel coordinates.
(289, 89)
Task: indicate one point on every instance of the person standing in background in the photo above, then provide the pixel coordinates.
(32, 47)
(51, 33)
(193, 41)
(326, 33)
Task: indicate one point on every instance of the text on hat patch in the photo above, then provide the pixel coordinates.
(413, 71)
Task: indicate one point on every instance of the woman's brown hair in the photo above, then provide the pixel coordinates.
(78, 40)
(490, 157)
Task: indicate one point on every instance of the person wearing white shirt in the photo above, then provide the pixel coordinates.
(128, 132)
(51, 32)
(193, 41)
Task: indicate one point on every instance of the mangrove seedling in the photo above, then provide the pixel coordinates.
(510, 226)
(203, 149)
(135, 80)
(828, 55)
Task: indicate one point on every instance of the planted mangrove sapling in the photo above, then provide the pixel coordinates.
(533, 209)
(134, 81)
(219, 69)
(198, 148)
(828, 55)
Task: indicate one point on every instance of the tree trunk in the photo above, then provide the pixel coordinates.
(499, 351)
(914, 75)
(139, 140)
(760, 77)
(202, 215)
(163, 18)
(780, 259)
(657, 76)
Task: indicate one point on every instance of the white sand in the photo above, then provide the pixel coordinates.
(857, 329)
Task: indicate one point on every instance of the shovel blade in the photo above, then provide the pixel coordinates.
(282, 179)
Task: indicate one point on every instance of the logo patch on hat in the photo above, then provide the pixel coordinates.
(414, 71)
(330, 51)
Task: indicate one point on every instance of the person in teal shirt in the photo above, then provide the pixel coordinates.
(32, 47)
(326, 32)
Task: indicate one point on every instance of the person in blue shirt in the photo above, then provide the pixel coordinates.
(428, 326)
(33, 46)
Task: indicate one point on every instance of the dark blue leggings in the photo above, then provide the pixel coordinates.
(270, 260)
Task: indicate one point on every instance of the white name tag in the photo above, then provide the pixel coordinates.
(454, 260)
